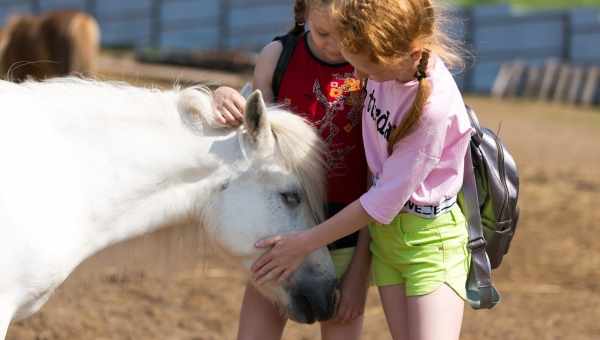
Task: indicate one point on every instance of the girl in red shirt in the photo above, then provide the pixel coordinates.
(319, 85)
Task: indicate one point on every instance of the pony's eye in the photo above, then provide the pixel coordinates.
(290, 198)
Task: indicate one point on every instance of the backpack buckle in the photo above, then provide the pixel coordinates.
(477, 244)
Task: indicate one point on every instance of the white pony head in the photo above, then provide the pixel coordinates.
(276, 187)
(121, 162)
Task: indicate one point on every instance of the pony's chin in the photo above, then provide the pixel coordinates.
(302, 311)
(303, 304)
(313, 304)
(302, 318)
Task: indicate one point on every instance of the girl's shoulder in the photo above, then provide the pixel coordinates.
(273, 50)
(264, 68)
(270, 52)
(440, 74)
(446, 100)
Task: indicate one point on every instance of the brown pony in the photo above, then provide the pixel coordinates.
(49, 45)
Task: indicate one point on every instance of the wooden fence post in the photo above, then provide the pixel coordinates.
(516, 78)
(548, 79)
(576, 85)
(533, 82)
(502, 80)
(563, 82)
(508, 81)
(590, 88)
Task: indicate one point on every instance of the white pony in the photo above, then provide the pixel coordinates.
(87, 164)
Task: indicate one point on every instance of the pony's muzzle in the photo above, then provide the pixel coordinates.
(313, 300)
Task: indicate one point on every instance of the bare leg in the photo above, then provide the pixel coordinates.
(394, 302)
(436, 316)
(259, 318)
(342, 331)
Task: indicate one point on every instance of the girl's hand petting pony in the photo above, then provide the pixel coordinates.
(285, 256)
(229, 105)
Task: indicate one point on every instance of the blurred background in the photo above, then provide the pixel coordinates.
(532, 75)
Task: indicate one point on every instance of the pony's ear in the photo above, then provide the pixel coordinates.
(257, 124)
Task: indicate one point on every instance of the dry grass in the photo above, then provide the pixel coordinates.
(550, 280)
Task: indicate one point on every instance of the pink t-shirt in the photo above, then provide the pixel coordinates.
(426, 166)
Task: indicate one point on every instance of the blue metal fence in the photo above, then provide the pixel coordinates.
(494, 34)
(182, 24)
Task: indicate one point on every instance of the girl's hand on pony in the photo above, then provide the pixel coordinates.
(230, 106)
(285, 256)
(353, 296)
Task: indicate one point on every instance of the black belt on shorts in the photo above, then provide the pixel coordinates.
(349, 241)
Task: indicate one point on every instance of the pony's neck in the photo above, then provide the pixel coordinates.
(166, 207)
(152, 181)
(175, 199)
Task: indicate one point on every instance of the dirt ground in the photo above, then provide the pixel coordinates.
(550, 281)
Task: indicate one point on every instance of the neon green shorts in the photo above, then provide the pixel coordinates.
(341, 260)
(421, 253)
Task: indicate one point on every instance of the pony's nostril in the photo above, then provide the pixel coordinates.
(306, 308)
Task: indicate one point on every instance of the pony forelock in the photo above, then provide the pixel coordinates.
(302, 151)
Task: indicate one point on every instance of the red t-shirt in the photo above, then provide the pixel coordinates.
(329, 97)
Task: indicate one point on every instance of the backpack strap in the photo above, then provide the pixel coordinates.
(289, 42)
(480, 289)
(477, 136)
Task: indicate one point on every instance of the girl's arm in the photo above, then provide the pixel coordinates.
(288, 250)
(355, 281)
(361, 260)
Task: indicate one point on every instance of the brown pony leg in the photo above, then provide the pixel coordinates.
(53, 44)
(85, 40)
